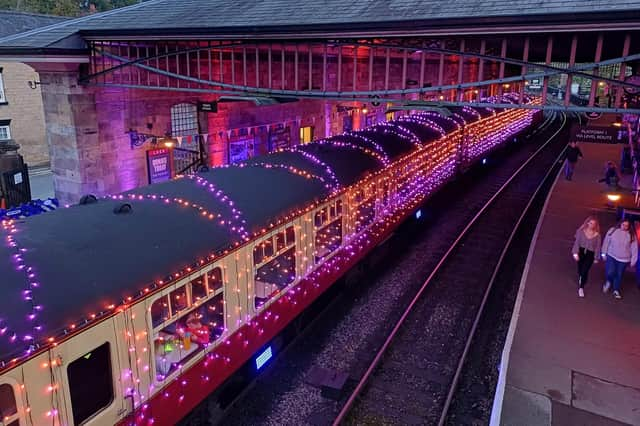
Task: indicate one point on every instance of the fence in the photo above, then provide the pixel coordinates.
(14, 187)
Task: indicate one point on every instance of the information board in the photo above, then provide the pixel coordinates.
(279, 139)
(239, 149)
(594, 134)
(159, 168)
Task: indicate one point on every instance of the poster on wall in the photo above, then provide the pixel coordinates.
(370, 120)
(347, 123)
(239, 149)
(159, 165)
(279, 138)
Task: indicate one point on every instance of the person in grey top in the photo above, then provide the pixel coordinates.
(585, 250)
(619, 249)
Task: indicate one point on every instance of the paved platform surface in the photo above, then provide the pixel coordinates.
(574, 361)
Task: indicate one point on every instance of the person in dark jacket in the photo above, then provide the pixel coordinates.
(611, 176)
(572, 155)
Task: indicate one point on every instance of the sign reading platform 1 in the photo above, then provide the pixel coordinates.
(159, 165)
(594, 134)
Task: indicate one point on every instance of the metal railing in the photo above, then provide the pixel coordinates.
(188, 161)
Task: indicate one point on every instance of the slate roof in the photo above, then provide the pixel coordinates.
(293, 17)
(86, 257)
(12, 22)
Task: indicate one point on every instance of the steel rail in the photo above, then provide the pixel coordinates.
(365, 378)
(544, 107)
(463, 357)
(551, 70)
(288, 92)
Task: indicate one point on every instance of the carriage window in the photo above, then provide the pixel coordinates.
(90, 383)
(278, 271)
(365, 213)
(160, 311)
(8, 407)
(178, 298)
(274, 276)
(385, 194)
(258, 254)
(328, 239)
(291, 236)
(215, 280)
(181, 340)
(268, 247)
(198, 289)
(280, 243)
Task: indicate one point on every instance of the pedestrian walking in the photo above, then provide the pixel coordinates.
(586, 249)
(572, 154)
(619, 250)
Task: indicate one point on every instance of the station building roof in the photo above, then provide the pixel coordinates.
(13, 22)
(291, 19)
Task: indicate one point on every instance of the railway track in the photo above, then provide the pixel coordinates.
(401, 378)
(345, 336)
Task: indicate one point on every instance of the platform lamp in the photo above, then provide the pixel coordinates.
(167, 142)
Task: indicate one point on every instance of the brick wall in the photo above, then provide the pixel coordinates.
(24, 109)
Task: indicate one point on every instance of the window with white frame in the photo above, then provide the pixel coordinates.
(184, 120)
(2, 95)
(186, 319)
(365, 202)
(327, 222)
(274, 259)
(5, 131)
(8, 406)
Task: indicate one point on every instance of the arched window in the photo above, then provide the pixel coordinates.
(8, 406)
(184, 120)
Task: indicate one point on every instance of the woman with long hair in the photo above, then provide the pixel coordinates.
(586, 249)
(619, 250)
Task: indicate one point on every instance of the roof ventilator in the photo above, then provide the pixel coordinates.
(123, 208)
(88, 199)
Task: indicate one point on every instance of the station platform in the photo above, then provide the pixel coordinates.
(570, 360)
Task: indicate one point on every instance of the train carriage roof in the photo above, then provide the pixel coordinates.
(422, 131)
(86, 257)
(348, 164)
(294, 159)
(447, 123)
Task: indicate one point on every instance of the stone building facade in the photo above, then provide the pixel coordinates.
(21, 113)
(88, 129)
(88, 126)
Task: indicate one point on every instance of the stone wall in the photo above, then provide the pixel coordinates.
(88, 126)
(24, 108)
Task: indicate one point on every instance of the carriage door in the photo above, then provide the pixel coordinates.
(90, 376)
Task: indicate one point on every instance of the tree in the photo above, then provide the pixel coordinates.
(64, 7)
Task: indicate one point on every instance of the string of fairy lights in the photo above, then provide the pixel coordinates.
(392, 193)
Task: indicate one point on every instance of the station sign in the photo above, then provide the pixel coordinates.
(594, 134)
(208, 106)
(593, 115)
(159, 165)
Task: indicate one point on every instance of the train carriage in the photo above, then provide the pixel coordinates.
(132, 308)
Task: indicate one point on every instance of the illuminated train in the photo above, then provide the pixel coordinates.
(131, 309)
